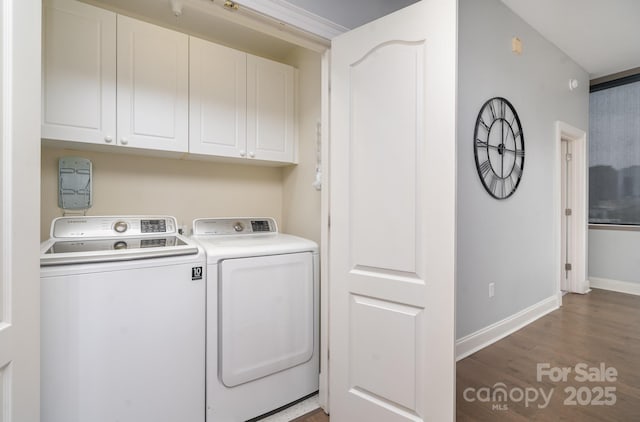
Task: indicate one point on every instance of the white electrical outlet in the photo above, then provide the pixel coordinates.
(492, 289)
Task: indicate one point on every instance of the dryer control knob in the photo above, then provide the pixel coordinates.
(238, 227)
(120, 226)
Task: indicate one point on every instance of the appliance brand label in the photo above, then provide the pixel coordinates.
(196, 273)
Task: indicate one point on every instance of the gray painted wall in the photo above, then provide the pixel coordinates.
(613, 255)
(509, 242)
(351, 13)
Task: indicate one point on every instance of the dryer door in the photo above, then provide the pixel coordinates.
(266, 315)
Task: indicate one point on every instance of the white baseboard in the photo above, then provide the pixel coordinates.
(473, 342)
(615, 285)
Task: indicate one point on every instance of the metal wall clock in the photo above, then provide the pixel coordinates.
(499, 147)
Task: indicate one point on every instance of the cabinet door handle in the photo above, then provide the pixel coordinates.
(242, 153)
(252, 154)
(124, 141)
(108, 139)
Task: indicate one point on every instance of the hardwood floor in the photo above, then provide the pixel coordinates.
(317, 415)
(601, 327)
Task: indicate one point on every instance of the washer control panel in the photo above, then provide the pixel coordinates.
(227, 226)
(116, 226)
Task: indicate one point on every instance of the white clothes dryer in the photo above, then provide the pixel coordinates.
(262, 317)
(122, 322)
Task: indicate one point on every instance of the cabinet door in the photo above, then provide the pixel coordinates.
(218, 99)
(79, 73)
(270, 110)
(153, 86)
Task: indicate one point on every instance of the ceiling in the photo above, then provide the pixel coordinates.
(602, 36)
(351, 13)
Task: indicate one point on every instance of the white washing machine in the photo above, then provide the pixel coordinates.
(122, 322)
(262, 317)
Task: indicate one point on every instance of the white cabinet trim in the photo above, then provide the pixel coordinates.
(296, 17)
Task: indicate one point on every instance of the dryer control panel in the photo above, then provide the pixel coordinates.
(232, 226)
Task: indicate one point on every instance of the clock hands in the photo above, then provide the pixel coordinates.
(501, 148)
(504, 149)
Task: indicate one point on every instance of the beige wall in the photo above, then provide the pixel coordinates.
(301, 201)
(128, 184)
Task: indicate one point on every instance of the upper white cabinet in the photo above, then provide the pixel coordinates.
(270, 110)
(153, 86)
(79, 73)
(81, 79)
(240, 105)
(218, 99)
(113, 80)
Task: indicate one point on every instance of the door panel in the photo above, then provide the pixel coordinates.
(218, 99)
(111, 341)
(382, 334)
(392, 207)
(270, 110)
(266, 315)
(153, 86)
(381, 196)
(79, 72)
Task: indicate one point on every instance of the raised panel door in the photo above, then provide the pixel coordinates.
(153, 86)
(79, 73)
(218, 99)
(392, 207)
(270, 110)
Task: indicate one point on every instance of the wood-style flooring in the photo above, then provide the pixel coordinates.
(317, 415)
(600, 328)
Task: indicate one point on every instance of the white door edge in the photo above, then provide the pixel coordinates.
(20, 93)
(324, 232)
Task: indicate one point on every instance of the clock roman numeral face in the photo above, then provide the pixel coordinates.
(499, 148)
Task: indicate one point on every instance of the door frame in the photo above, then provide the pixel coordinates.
(578, 196)
(323, 394)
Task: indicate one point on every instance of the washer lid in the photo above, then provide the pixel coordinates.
(112, 226)
(76, 240)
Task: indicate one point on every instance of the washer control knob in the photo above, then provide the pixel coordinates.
(238, 226)
(120, 226)
(120, 245)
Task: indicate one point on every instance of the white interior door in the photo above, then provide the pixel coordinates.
(20, 209)
(567, 210)
(392, 160)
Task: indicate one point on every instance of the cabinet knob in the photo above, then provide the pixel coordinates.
(108, 139)
(252, 154)
(243, 153)
(124, 141)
